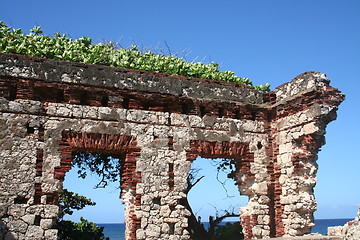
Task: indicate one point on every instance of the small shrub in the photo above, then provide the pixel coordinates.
(229, 231)
(84, 230)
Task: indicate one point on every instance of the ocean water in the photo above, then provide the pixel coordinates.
(321, 225)
(116, 231)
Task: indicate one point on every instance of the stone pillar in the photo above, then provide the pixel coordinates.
(164, 167)
(304, 107)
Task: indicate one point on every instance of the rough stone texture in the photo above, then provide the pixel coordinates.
(353, 233)
(157, 124)
(350, 231)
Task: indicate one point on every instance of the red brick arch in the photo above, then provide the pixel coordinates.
(119, 145)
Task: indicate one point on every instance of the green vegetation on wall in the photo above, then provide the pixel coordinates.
(61, 47)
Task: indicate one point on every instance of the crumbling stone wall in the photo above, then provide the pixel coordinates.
(157, 124)
(350, 231)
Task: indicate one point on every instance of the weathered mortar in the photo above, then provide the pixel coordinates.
(160, 124)
(107, 77)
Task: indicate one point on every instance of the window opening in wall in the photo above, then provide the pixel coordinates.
(214, 197)
(104, 190)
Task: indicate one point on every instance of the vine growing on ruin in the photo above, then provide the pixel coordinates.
(61, 47)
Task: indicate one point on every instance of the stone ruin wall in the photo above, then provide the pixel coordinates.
(158, 124)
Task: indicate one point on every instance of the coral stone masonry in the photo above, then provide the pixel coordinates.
(157, 124)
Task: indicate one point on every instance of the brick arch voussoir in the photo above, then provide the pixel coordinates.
(231, 150)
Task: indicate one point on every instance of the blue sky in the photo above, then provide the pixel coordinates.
(266, 41)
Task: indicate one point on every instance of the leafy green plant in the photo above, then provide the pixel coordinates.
(83, 230)
(68, 201)
(105, 166)
(82, 50)
(229, 231)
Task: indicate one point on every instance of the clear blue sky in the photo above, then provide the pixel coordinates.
(267, 41)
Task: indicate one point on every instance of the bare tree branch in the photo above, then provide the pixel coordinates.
(221, 182)
(168, 48)
(191, 184)
(213, 223)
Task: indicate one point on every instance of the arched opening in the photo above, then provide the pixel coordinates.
(215, 192)
(93, 152)
(109, 210)
(225, 162)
